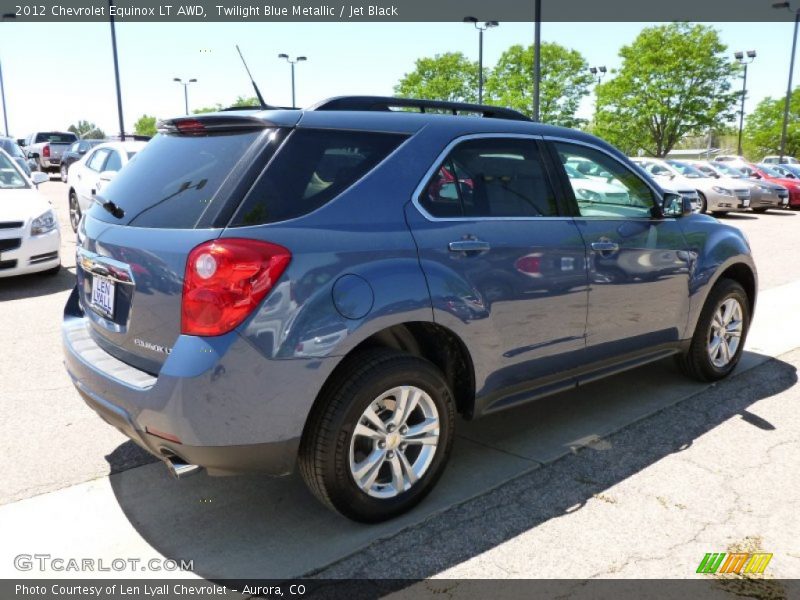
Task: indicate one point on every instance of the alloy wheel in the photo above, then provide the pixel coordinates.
(725, 333)
(394, 442)
(74, 212)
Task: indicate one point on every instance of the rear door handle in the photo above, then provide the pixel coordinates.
(469, 246)
(605, 246)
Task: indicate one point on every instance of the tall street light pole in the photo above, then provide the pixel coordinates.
(787, 5)
(598, 73)
(116, 70)
(8, 16)
(481, 28)
(537, 57)
(293, 62)
(185, 85)
(751, 56)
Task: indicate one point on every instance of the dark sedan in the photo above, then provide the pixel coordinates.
(74, 153)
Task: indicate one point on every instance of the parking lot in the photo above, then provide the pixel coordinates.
(568, 487)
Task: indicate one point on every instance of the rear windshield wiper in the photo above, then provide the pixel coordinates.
(111, 207)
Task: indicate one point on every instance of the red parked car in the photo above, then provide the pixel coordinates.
(761, 171)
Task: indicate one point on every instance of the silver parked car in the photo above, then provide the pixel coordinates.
(717, 196)
(763, 194)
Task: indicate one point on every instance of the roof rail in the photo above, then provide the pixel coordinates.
(386, 103)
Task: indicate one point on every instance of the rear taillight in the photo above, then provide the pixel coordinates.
(46, 151)
(225, 280)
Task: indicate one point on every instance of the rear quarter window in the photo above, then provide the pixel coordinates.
(312, 168)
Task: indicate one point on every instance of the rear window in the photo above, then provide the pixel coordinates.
(310, 170)
(55, 137)
(173, 179)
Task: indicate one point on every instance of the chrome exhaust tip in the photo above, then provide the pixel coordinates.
(179, 469)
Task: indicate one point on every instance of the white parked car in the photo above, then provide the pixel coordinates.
(734, 160)
(30, 240)
(774, 159)
(671, 183)
(87, 176)
(593, 189)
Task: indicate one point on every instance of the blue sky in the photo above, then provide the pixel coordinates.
(56, 74)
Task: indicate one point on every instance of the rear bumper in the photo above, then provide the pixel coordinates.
(231, 409)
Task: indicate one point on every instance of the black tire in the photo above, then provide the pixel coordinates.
(695, 362)
(760, 211)
(74, 211)
(64, 174)
(703, 204)
(324, 457)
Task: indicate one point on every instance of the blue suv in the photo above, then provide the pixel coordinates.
(332, 286)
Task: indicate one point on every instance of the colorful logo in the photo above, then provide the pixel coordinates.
(736, 562)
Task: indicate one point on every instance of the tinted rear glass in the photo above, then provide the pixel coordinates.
(172, 180)
(310, 170)
(56, 137)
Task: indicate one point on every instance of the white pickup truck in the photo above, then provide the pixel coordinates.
(44, 148)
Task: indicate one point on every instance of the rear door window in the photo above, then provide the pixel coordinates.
(96, 160)
(312, 168)
(114, 162)
(491, 177)
(174, 178)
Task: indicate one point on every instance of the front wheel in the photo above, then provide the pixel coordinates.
(703, 204)
(63, 173)
(380, 438)
(719, 336)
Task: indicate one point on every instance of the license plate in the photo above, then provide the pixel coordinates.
(103, 296)
(785, 201)
(746, 203)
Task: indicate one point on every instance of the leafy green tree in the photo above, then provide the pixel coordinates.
(565, 80)
(450, 76)
(675, 79)
(87, 130)
(146, 125)
(762, 132)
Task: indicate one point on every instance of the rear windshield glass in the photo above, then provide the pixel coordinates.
(56, 138)
(172, 180)
(310, 170)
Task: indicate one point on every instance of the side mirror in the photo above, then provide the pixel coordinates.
(675, 205)
(81, 152)
(37, 177)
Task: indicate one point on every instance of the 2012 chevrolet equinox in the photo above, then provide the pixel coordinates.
(330, 286)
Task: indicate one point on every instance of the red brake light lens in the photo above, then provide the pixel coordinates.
(46, 151)
(190, 126)
(225, 280)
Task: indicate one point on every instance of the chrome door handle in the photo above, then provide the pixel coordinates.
(605, 246)
(469, 246)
